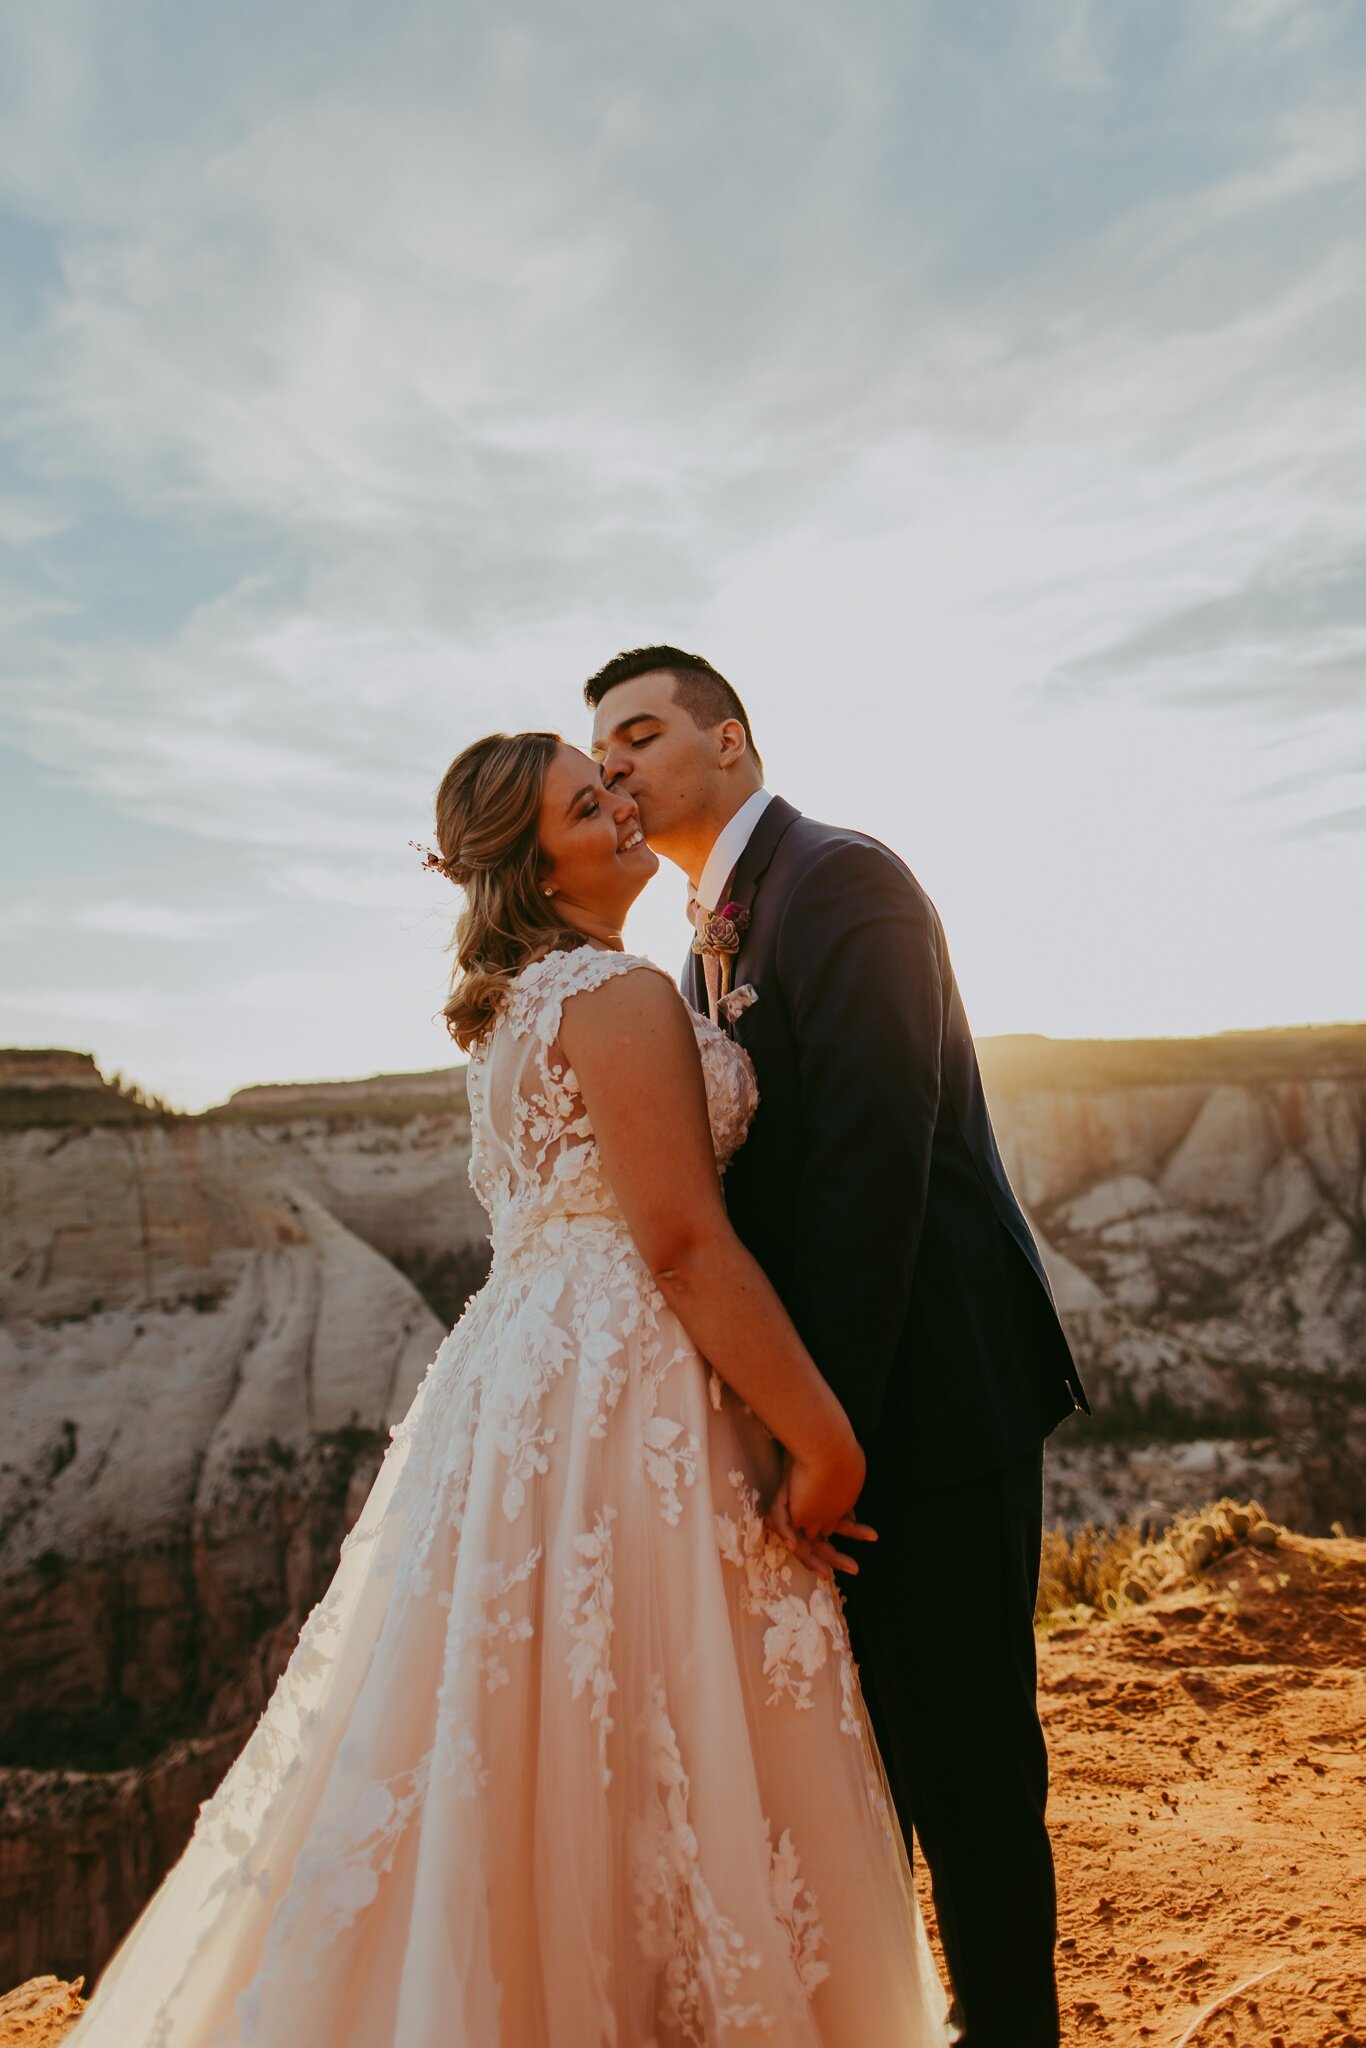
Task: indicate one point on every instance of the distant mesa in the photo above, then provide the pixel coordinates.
(49, 1085)
(53, 1086)
(1022, 1061)
(39, 1083)
(34, 1067)
(441, 1085)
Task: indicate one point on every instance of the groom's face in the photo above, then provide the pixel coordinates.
(650, 746)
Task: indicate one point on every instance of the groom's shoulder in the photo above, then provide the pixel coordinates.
(811, 844)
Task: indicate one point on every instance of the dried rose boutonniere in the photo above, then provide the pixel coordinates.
(723, 930)
(718, 938)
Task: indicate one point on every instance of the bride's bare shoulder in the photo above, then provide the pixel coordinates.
(608, 984)
(631, 1045)
(626, 1002)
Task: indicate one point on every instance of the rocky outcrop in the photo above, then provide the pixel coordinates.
(48, 1085)
(40, 2012)
(1206, 1235)
(82, 1851)
(36, 1069)
(199, 1364)
(378, 1095)
(389, 1158)
(195, 1353)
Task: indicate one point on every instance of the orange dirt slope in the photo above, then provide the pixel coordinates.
(1208, 1807)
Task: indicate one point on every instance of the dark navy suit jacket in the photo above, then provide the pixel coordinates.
(870, 1187)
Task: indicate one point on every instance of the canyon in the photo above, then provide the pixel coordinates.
(209, 1323)
(1201, 1207)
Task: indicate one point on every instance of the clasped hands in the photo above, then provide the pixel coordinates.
(799, 1514)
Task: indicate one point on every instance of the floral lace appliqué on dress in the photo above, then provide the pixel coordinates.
(562, 1759)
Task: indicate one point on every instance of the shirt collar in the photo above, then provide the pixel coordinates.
(731, 842)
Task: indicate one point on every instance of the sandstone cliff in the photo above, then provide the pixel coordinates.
(1202, 1208)
(198, 1364)
(389, 1158)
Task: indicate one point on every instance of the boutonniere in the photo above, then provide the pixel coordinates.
(722, 932)
(718, 938)
(737, 1002)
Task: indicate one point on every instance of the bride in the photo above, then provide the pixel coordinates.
(572, 1753)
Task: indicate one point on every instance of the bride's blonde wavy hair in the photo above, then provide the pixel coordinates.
(487, 829)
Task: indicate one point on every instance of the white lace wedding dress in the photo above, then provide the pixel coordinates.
(572, 1753)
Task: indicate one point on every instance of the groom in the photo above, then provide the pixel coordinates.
(871, 1191)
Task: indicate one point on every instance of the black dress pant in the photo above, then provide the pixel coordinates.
(941, 1618)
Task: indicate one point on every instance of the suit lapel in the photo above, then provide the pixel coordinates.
(753, 864)
(777, 820)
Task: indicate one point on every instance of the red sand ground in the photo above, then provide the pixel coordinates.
(1208, 1808)
(1208, 1811)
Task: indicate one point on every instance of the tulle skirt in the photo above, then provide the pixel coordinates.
(571, 1752)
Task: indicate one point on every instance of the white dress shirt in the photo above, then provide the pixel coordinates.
(731, 842)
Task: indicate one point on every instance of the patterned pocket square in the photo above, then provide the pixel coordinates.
(737, 1002)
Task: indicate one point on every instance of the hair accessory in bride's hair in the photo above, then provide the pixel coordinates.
(432, 859)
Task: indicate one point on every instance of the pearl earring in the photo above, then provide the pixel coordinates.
(550, 892)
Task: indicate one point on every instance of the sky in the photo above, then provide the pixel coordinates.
(978, 385)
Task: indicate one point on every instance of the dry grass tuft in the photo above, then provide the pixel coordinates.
(1101, 1572)
(1077, 1572)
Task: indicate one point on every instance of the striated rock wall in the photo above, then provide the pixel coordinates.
(194, 1356)
(1207, 1244)
(199, 1364)
(400, 1182)
(82, 1852)
(33, 1068)
(441, 1088)
(198, 1367)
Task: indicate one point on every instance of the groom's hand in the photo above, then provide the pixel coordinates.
(817, 1552)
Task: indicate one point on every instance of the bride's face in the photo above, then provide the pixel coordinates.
(596, 859)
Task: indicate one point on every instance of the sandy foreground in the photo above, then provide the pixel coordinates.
(1208, 1812)
(1208, 1808)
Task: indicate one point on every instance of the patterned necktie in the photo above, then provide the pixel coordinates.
(711, 962)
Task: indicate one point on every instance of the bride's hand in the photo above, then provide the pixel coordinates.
(815, 1550)
(825, 1482)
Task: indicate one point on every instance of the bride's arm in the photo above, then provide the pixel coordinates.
(632, 1049)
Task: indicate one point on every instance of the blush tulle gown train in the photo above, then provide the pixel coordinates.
(572, 1752)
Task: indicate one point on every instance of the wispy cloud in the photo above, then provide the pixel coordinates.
(159, 921)
(1290, 640)
(356, 407)
(21, 915)
(362, 888)
(121, 917)
(82, 1006)
(26, 517)
(1345, 823)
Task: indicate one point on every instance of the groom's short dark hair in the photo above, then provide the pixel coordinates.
(699, 689)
